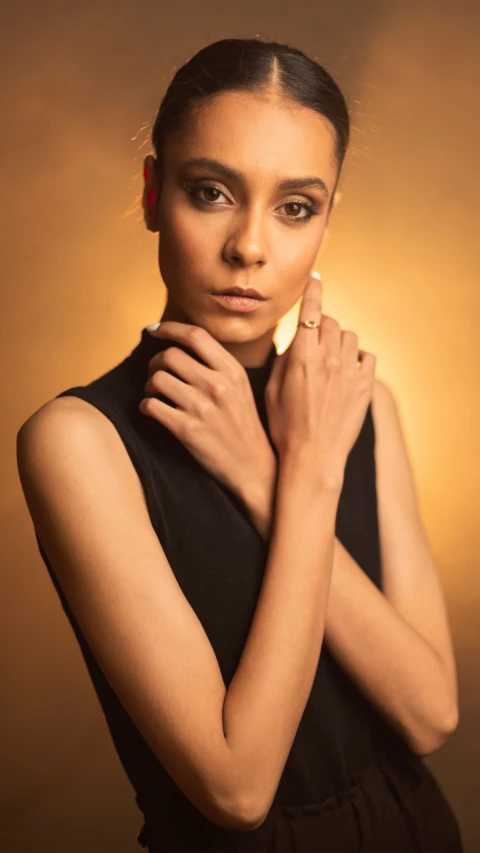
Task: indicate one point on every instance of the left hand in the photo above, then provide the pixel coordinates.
(216, 419)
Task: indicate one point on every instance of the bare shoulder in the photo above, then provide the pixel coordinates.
(68, 432)
(72, 407)
(67, 421)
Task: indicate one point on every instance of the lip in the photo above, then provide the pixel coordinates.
(240, 291)
(232, 302)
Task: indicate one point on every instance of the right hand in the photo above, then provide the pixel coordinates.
(317, 396)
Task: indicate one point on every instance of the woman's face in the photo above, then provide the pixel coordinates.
(220, 230)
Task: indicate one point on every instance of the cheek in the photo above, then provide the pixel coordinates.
(294, 268)
(288, 298)
(184, 239)
(294, 249)
(294, 261)
(184, 256)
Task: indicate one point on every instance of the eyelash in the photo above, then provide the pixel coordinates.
(192, 186)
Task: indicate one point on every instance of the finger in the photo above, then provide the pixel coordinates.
(349, 346)
(311, 311)
(183, 365)
(330, 338)
(199, 340)
(277, 372)
(360, 357)
(181, 394)
(368, 362)
(175, 420)
(187, 367)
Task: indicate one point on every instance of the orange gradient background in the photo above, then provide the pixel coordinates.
(80, 280)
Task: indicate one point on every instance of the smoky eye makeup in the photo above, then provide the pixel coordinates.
(194, 187)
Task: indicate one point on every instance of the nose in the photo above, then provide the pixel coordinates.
(246, 245)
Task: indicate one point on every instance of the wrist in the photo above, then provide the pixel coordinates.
(258, 492)
(301, 467)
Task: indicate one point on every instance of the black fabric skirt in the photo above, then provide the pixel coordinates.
(389, 808)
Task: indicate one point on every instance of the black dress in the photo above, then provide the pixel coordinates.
(350, 782)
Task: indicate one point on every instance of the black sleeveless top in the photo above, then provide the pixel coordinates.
(350, 782)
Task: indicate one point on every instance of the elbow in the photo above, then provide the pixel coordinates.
(452, 721)
(250, 812)
(241, 817)
(423, 745)
(244, 807)
(241, 811)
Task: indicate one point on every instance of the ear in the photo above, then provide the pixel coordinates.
(150, 193)
(337, 199)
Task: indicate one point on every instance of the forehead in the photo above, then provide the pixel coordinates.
(261, 136)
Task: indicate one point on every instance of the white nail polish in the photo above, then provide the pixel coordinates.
(316, 274)
(152, 327)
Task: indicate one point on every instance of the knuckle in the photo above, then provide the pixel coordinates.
(205, 407)
(301, 361)
(155, 381)
(238, 372)
(196, 333)
(333, 362)
(167, 355)
(311, 302)
(148, 405)
(310, 362)
(218, 390)
(330, 321)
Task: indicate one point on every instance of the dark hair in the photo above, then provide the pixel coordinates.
(250, 65)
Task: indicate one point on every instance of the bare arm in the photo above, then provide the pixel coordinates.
(88, 507)
(267, 696)
(395, 646)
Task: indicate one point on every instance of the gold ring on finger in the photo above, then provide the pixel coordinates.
(309, 324)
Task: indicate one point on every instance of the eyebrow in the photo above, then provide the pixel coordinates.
(234, 174)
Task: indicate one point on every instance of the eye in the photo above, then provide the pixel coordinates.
(194, 187)
(310, 208)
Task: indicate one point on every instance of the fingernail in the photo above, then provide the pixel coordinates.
(316, 274)
(152, 327)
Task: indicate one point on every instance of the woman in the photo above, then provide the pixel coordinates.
(271, 660)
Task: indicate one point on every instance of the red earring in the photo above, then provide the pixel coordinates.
(151, 196)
